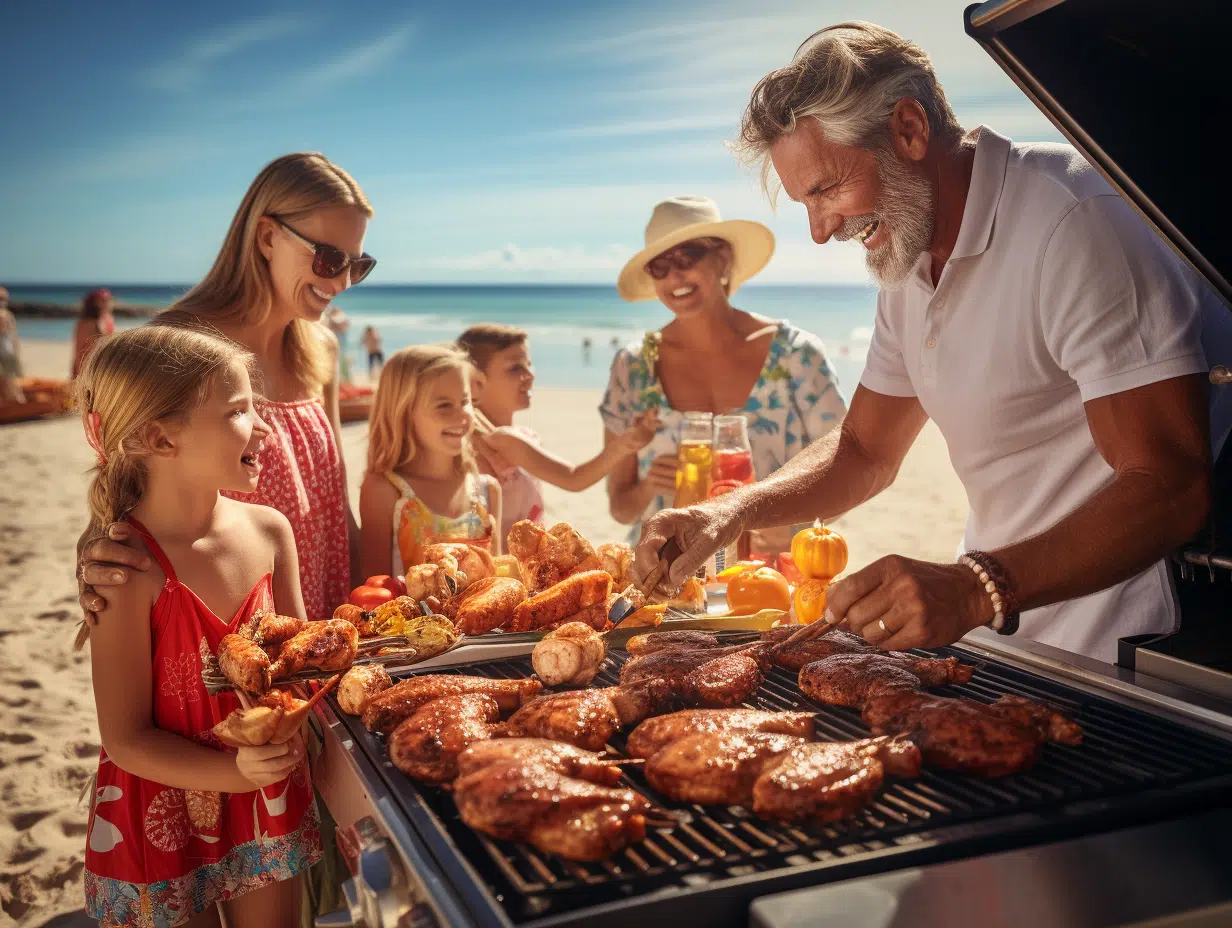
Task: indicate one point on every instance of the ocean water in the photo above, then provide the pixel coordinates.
(558, 319)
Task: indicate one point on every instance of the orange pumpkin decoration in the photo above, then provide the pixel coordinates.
(758, 588)
(819, 552)
(810, 600)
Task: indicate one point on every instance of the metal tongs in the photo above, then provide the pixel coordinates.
(216, 682)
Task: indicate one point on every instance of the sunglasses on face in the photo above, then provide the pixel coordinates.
(329, 262)
(682, 257)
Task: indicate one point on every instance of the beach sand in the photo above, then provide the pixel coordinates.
(48, 735)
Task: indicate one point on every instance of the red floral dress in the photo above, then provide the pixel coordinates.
(301, 477)
(155, 855)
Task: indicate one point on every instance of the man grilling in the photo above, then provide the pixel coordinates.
(1058, 344)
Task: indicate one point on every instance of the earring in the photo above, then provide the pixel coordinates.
(723, 281)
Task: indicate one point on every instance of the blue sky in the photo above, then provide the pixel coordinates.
(498, 142)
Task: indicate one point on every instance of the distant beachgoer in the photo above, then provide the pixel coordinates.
(96, 320)
(512, 453)
(615, 343)
(711, 358)
(10, 354)
(340, 324)
(586, 351)
(376, 353)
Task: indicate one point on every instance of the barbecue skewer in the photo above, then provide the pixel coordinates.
(216, 682)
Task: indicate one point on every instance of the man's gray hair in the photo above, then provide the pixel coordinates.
(848, 77)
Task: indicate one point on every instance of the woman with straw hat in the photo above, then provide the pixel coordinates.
(711, 357)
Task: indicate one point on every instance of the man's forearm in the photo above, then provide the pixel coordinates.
(831, 476)
(1119, 532)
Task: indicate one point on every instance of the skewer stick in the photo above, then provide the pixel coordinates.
(242, 696)
(620, 761)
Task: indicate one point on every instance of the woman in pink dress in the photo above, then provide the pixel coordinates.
(295, 243)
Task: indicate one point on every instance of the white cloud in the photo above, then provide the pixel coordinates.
(360, 60)
(186, 70)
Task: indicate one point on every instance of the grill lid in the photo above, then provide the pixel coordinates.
(1139, 87)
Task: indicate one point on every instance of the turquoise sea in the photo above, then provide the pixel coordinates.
(558, 318)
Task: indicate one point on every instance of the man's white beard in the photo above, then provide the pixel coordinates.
(906, 208)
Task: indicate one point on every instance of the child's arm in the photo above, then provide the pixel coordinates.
(377, 498)
(522, 452)
(288, 596)
(121, 664)
(495, 506)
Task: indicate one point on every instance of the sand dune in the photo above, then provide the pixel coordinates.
(48, 734)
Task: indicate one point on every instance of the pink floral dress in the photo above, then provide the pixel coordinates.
(301, 477)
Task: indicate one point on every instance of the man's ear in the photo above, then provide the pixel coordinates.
(160, 440)
(909, 129)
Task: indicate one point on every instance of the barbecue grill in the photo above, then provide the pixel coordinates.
(1133, 766)
(1157, 752)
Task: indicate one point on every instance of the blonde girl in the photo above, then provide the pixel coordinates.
(180, 825)
(422, 486)
(295, 243)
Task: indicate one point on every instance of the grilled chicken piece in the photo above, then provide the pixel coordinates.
(962, 734)
(273, 720)
(617, 559)
(794, 655)
(473, 561)
(561, 757)
(544, 800)
(569, 656)
(426, 746)
(850, 679)
(588, 718)
(713, 677)
(569, 817)
(385, 711)
(674, 663)
(651, 642)
(724, 682)
(563, 600)
(548, 557)
(328, 645)
(485, 604)
(360, 684)
(275, 630)
(716, 768)
(242, 661)
(657, 733)
(362, 621)
(825, 782)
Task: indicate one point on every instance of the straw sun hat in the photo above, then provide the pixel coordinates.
(682, 219)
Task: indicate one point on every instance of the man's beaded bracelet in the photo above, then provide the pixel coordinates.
(995, 580)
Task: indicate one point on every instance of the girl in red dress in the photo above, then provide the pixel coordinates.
(180, 824)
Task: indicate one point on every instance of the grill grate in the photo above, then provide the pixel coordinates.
(1126, 753)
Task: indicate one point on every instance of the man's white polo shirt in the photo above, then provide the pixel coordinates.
(1057, 293)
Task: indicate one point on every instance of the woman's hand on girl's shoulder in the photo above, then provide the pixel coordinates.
(109, 562)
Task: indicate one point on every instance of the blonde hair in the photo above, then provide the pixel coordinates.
(391, 439)
(238, 288)
(848, 77)
(154, 373)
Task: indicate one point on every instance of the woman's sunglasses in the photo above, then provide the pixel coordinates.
(329, 262)
(682, 257)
